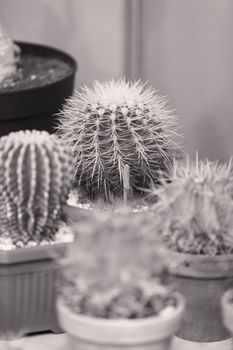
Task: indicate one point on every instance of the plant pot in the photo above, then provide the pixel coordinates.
(88, 333)
(73, 214)
(202, 281)
(28, 282)
(35, 107)
(227, 310)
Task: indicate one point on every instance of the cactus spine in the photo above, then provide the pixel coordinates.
(113, 125)
(35, 177)
(7, 55)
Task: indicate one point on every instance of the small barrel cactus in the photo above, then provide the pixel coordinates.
(113, 125)
(194, 210)
(35, 178)
(7, 55)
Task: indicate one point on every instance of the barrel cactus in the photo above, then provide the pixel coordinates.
(7, 55)
(194, 211)
(114, 125)
(35, 178)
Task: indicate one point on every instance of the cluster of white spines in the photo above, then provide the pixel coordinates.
(202, 170)
(35, 177)
(117, 124)
(7, 55)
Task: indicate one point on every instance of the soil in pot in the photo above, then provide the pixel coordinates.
(202, 281)
(36, 71)
(29, 99)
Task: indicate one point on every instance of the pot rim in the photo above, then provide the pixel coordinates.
(120, 331)
(28, 254)
(201, 258)
(200, 266)
(126, 322)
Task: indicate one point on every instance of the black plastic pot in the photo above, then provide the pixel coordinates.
(34, 108)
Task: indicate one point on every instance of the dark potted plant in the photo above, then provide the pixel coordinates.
(35, 178)
(122, 137)
(114, 294)
(35, 80)
(195, 211)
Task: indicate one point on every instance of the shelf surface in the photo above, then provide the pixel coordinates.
(58, 342)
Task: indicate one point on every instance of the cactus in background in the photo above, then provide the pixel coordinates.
(114, 125)
(7, 56)
(195, 210)
(35, 177)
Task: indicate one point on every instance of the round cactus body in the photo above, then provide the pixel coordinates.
(113, 125)
(194, 211)
(35, 178)
(7, 55)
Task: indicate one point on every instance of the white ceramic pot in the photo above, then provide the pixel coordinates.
(227, 310)
(89, 333)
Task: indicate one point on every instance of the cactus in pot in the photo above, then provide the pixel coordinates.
(35, 178)
(115, 283)
(121, 135)
(195, 217)
(198, 208)
(8, 57)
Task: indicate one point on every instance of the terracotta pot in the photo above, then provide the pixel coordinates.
(202, 281)
(227, 310)
(88, 333)
(29, 278)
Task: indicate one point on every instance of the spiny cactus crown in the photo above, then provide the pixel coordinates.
(113, 125)
(196, 208)
(35, 178)
(204, 170)
(7, 55)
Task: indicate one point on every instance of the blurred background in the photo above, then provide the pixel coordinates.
(184, 48)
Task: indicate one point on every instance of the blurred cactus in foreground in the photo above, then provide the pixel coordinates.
(35, 178)
(117, 266)
(7, 55)
(114, 125)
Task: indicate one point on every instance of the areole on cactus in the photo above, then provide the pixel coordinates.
(7, 55)
(114, 125)
(35, 178)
